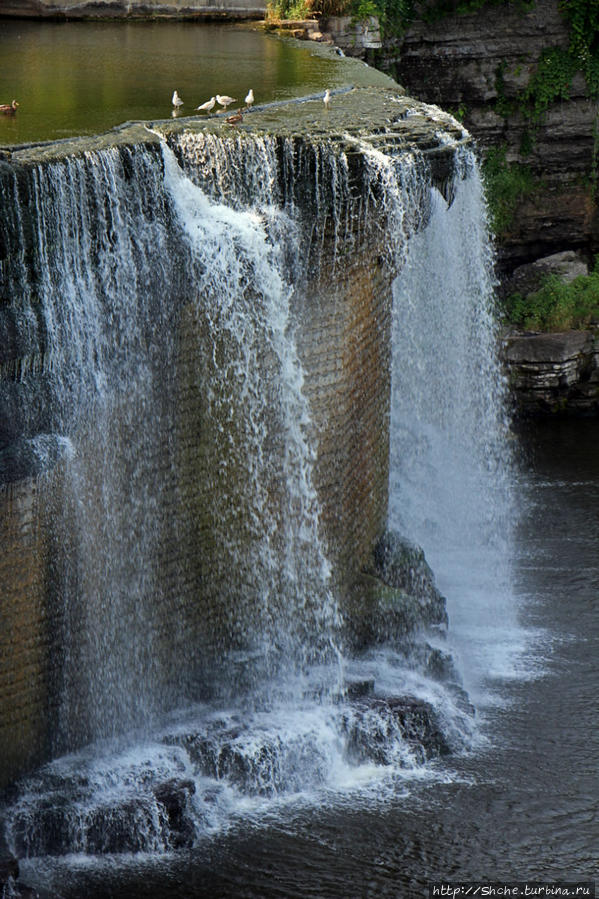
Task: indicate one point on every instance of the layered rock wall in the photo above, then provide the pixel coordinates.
(554, 374)
(477, 65)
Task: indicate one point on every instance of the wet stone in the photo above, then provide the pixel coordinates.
(47, 828)
(401, 730)
(253, 770)
(356, 689)
(142, 823)
(174, 796)
(134, 826)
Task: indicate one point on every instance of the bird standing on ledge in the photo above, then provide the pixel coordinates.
(9, 108)
(249, 99)
(176, 101)
(224, 101)
(327, 98)
(208, 106)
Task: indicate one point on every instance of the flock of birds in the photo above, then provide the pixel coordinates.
(225, 101)
(222, 100)
(208, 106)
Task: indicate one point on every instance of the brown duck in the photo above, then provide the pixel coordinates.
(8, 108)
(234, 119)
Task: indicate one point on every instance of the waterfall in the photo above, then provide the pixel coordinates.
(98, 283)
(451, 454)
(259, 424)
(201, 626)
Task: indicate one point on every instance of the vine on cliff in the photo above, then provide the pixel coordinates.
(507, 184)
(583, 19)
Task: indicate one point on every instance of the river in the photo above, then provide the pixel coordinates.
(75, 78)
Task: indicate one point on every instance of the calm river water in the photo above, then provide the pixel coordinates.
(73, 78)
(523, 806)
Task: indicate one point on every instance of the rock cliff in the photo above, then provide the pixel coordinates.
(478, 66)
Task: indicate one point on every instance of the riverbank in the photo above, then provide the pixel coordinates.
(134, 9)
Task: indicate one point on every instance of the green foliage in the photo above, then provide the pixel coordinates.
(583, 18)
(398, 15)
(459, 113)
(364, 9)
(507, 184)
(289, 9)
(551, 81)
(557, 306)
(527, 143)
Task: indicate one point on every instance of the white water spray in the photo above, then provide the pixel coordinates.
(451, 465)
(257, 417)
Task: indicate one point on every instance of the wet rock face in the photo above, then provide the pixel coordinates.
(394, 597)
(478, 65)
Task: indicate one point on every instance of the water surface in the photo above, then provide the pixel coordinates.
(75, 78)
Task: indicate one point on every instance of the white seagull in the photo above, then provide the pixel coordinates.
(250, 98)
(208, 106)
(224, 101)
(327, 98)
(176, 101)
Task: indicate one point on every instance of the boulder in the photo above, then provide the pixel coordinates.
(528, 278)
(394, 597)
(393, 730)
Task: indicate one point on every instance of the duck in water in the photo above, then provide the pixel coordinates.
(9, 108)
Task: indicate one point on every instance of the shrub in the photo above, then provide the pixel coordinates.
(557, 306)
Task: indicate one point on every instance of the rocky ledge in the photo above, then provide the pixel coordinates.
(554, 373)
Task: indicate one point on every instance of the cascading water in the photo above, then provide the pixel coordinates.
(259, 424)
(451, 468)
(97, 272)
(190, 251)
